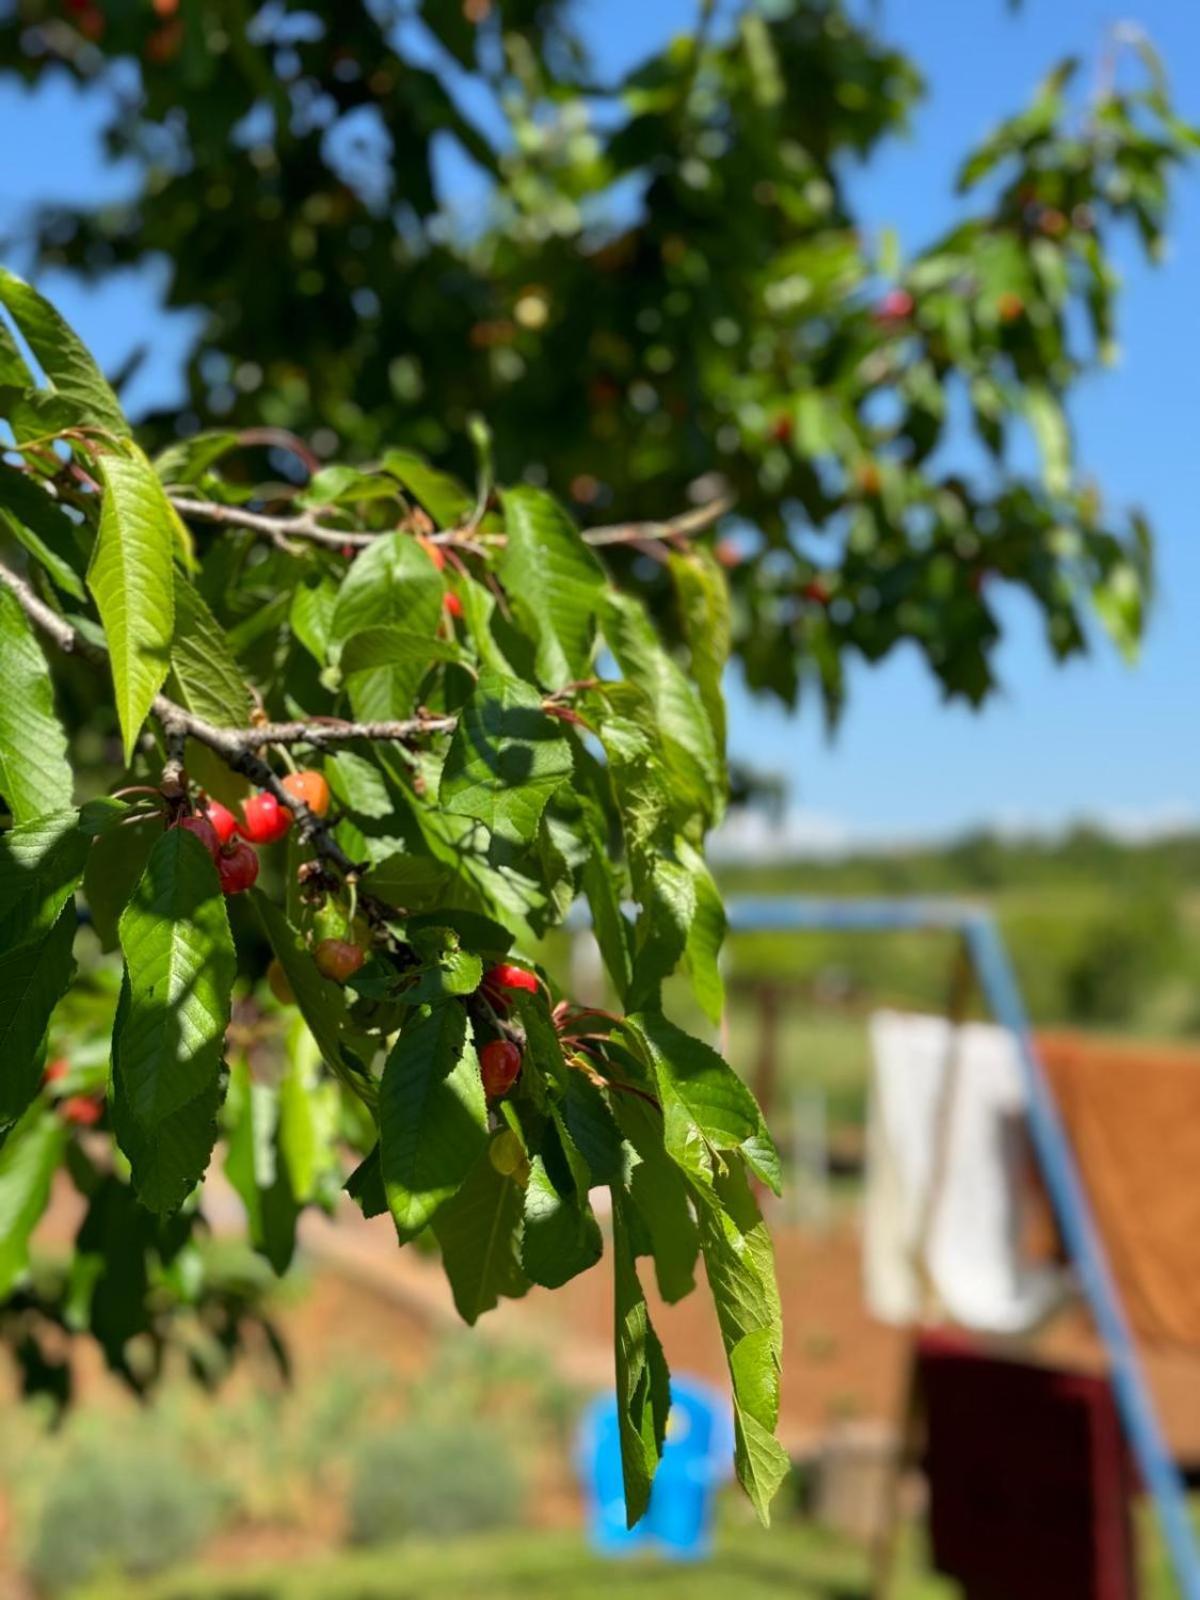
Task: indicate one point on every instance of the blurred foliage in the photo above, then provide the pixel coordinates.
(434, 1480)
(455, 1445)
(656, 288)
(119, 1508)
(1103, 934)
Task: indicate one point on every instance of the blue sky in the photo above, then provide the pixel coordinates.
(1094, 739)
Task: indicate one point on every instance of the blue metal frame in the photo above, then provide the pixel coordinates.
(998, 983)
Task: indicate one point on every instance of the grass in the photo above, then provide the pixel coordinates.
(799, 1564)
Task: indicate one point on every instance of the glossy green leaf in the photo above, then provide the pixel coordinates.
(479, 1231)
(207, 678)
(554, 583)
(28, 1161)
(739, 1263)
(506, 758)
(704, 1101)
(432, 1115)
(391, 584)
(131, 578)
(168, 1045)
(34, 976)
(561, 1237)
(35, 775)
(643, 1381)
(41, 525)
(75, 382)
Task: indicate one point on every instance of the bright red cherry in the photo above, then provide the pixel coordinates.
(507, 976)
(204, 831)
(82, 1110)
(897, 305)
(499, 1065)
(310, 788)
(237, 867)
(452, 605)
(338, 959)
(264, 820)
(222, 819)
(56, 1069)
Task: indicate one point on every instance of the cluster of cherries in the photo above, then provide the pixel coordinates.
(229, 839)
(80, 1110)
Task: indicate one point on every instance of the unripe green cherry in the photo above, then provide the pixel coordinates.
(506, 1152)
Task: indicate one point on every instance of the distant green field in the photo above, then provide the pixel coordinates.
(790, 1563)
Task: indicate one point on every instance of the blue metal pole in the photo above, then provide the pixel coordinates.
(1159, 1472)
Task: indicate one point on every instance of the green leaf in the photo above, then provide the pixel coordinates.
(479, 1230)
(131, 578)
(391, 584)
(253, 1167)
(28, 1162)
(705, 934)
(668, 911)
(207, 677)
(704, 1102)
(680, 723)
(432, 1115)
(313, 603)
(394, 647)
(115, 863)
(74, 378)
(40, 864)
(1049, 424)
(365, 1185)
(41, 525)
(506, 759)
(561, 1236)
(703, 597)
(445, 499)
(601, 886)
(659, 1195)
(187, 460)
(411, 882)
(555, 584)
(741, 1274)
(168, 1045)
(643, 1381)
(34, 976)
(447, 969)
(35, 775)
(162, 1162)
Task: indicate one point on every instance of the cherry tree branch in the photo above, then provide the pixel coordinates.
(239, 748)
(307, 525)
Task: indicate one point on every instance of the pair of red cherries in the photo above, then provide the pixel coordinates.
(228, 839)
(500, 1059)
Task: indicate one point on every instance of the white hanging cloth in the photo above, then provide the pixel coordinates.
(948, 1164)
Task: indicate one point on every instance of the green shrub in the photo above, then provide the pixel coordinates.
(432, 1479)
(126, 1510)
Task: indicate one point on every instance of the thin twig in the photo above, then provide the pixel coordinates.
(674, 528)
(307, 525)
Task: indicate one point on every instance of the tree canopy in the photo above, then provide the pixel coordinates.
(656, 289)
